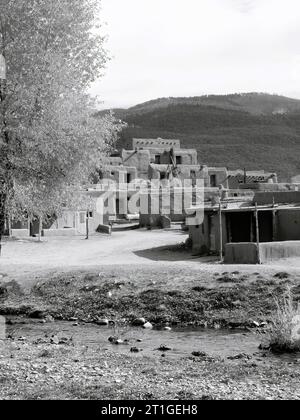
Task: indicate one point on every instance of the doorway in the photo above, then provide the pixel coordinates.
(240, 227)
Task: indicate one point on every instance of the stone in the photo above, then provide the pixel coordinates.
(282, 275)
(54, 340)
(37, 314)
(49, 318)
(165, 222)
(148, 326)
(115, 340)
(240, 357)
(102, 322)
(3, 291)
(45, 353)
(64, 340)
(135, 350)
(167, 329)
(264, 347)
(199, 354)
(139, 322)
(164, 348)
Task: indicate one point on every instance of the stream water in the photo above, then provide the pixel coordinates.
(181, 341)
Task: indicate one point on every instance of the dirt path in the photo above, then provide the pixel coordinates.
(28, 260)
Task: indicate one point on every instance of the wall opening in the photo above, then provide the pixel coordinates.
(213, 181)
(178, 160)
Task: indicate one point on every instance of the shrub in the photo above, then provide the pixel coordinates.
(283, 334)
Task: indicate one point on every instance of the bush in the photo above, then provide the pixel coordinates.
(283, 335)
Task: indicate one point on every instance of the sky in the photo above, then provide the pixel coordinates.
(162, 48)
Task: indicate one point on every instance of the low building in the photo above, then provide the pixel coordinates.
(266, 218)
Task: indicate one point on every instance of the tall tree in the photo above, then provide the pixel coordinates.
(49, 140)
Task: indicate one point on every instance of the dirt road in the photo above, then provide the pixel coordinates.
(26, 260)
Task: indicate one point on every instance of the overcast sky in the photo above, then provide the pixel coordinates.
(195, 47)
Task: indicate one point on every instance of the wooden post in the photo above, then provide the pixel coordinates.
(274, 222)
(221, 231)
(87, 224)
(274, 237)
(257, 233)
(9, 227)
(40, 228)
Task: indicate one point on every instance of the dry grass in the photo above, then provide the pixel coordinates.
(283, 336)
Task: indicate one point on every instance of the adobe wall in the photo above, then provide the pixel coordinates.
(278, 250)
(20, 233)
(200, 238)
(139, 160)
(283, 197)
(221, 176)
(140, 143)
(119, 173)
(288, 225)
(50, 233)
(183, 171)
(271, 187)
(171, 204)
(242, 253)
(206, 237)
(246, 253)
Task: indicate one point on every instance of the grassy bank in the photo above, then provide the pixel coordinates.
(175, 297)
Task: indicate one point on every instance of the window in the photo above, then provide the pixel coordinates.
(157, 159)
(213, 181)
(163, 175)
(178, 160)
(193, 178)
(82, 218)
(128, 176)
(90, 214)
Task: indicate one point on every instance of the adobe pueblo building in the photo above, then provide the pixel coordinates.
(127, 178)
(250, 230)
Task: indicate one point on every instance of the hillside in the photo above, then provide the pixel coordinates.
(256, 131)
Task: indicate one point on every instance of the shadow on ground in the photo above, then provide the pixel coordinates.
(171, 253)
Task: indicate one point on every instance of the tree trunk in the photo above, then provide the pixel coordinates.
(2, 217)
(40, 228)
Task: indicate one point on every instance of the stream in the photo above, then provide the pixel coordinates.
(181, 341)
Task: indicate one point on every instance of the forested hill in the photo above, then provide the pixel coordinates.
(255, 131)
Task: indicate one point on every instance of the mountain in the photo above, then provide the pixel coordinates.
(254, 130)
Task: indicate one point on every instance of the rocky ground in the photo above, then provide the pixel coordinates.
(39, 370)
(165, 286)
